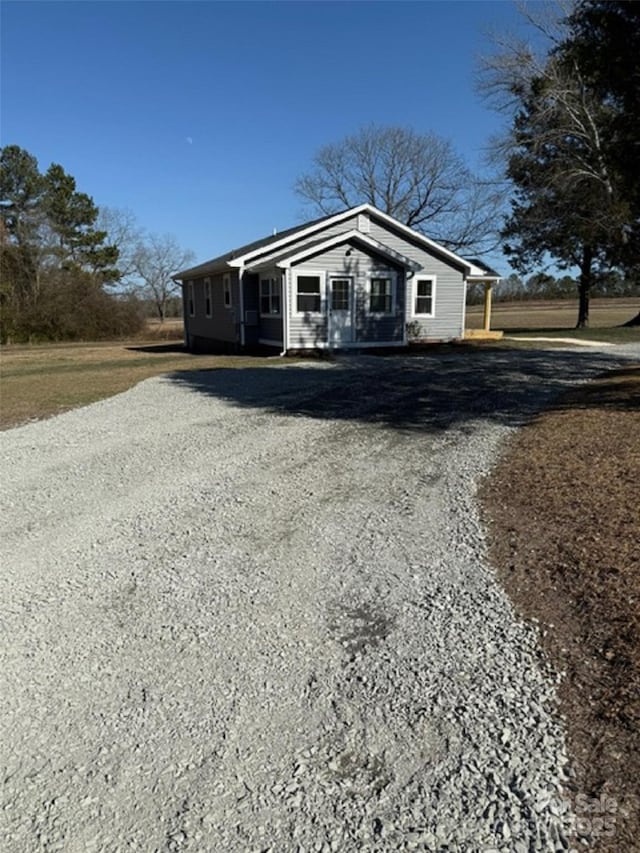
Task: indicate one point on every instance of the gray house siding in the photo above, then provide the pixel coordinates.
(448, 319)
(251, 308)
(220, 330)
(271, 329)
(346, 225)
(310, 330)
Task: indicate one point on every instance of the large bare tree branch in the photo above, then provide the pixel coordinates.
(417, 178)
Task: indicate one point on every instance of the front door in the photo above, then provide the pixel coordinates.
(340, 311)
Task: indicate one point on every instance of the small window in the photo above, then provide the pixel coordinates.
(308, 294)
(226, 285)
(381, 297)
(191, 302)
(340, 294)
(269, 296)
(207, 297)
(424, 295)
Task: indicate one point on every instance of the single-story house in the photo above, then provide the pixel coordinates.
(350, 280)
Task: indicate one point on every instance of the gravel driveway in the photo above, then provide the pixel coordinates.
(250, 611)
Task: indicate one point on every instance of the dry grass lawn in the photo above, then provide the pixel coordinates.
(564, 519)
(41, 381)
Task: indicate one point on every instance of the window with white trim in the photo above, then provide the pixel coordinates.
(226, 286)
(191, 301)
(424, 296)
(207, 297)
(308, 294)
(269, 297)
(381, 295)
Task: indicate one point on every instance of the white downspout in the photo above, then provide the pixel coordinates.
(285, 312)
(241, 304)
(406, 308)
(464, 307)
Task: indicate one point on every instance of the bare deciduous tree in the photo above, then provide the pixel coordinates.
(417, 178)
(154, 262)
(125, 234)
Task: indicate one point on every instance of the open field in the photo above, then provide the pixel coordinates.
(553, 316)
(171, 330)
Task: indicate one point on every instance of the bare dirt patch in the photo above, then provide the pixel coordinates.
(562, 509)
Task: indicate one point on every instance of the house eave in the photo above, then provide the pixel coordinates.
(199, 270)
(481, 278)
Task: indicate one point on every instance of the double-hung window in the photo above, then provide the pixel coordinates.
(207, 297)
(381, 295)
(269, 296)
(308, 294)
(424, 291)
(226, 286)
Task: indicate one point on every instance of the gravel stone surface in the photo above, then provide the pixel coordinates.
(251, 611)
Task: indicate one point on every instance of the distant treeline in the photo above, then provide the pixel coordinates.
(544, 286)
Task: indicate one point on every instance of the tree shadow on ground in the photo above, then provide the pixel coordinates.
(618, 391)
(428, 393)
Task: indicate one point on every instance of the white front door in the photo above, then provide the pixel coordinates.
(340, 311)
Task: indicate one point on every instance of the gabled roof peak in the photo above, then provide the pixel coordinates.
(244, 255)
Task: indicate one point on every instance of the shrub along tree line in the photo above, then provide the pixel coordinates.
(572, 146)
(69, 271)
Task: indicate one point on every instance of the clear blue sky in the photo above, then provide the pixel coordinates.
(199, 116)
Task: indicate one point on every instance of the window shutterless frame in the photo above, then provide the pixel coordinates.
(309, 292)
(382, 293)
(270, 291)
(423, 299)
(226, 286)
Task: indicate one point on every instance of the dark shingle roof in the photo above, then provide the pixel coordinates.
(222, 260)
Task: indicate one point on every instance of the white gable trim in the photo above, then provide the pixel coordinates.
(356, 236)
(470, 269)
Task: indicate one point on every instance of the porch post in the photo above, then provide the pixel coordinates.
(487, 306)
